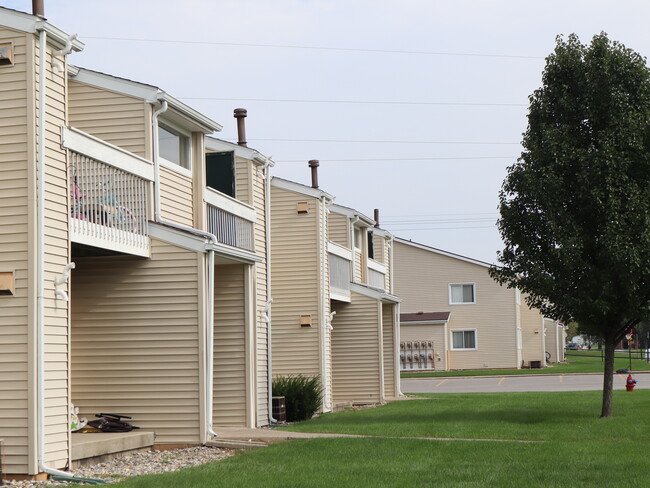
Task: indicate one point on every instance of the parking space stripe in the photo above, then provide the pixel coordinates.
(501, 380)
(561, 379)
(443, 381)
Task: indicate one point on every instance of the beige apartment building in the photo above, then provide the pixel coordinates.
(133, 270)
(455, 316)
(334, 315)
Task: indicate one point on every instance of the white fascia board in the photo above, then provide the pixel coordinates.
(299, 188)
(442, 253)
(79, 141)
(177, 237)
(24, 22)
(381, 232)
(425, 322)
(341, 297)
(130, 88)
(148, 93)
(376, 266)
(235, 253)
(350, 212)
(60, 37)
(375, 293)
(208, 124)
(338, 250)
(229, 204)
(214, 144)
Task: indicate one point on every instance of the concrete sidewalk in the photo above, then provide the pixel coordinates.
(246, 438)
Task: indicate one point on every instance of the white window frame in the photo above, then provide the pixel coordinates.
(176, 130)
(357, 245)
(462, 303)
(451, 340)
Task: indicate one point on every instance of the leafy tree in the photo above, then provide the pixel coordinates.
(575, 207)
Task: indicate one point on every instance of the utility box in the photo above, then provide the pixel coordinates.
(279, 409)
(535, 365)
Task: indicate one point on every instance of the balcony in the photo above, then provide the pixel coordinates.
(230, 220)
(339, 271)
(376, 274)
(108, 194)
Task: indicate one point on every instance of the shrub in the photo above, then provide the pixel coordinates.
(303, 395)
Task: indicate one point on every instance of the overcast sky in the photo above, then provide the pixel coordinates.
(453, 78)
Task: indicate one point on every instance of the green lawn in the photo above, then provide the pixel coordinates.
(577, 362)
(562, 416)
(357, 463)
(575, 447)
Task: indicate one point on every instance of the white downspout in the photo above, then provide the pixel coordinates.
(269, 300)
(397, 350)
(323, 317)
(40, 264)
(209, 374)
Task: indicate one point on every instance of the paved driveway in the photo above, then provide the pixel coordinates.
(568, 382)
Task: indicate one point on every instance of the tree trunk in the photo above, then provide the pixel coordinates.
(608, 379)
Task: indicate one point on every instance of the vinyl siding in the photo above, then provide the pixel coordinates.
(357, 275)
(390, 375)
(339, 229)
(532, 334)
(243, 180)
(356, 357)
(57, 255)
(113, 117)
(295, 284)
(229, 346)
(262, 392)
(422, 280)
(176, 201)
(423, 332)
(135, 340)
(14, 222)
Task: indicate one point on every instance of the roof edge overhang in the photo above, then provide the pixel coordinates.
(148, 93)
(434, 250)
(300, 188)
(352, 213)
(32, 24)
(214, 144)
(375, 293)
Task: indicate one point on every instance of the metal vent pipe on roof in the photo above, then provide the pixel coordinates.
(240, 115)
(376, 217)
(38, 8)
(313, 164)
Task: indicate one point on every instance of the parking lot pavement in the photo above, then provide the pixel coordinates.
(490, 384)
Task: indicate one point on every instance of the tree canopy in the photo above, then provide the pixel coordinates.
(575, 207)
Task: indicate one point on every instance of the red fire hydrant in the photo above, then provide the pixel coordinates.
(630, 383)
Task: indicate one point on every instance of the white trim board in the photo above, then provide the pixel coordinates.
(300, 188)
(80, 142)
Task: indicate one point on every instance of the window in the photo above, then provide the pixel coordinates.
(357, 238)
(174, 147)
(371, 247)
(220, 172)
(461, 293)
(463, 339)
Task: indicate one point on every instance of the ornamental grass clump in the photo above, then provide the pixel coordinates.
(303, 395)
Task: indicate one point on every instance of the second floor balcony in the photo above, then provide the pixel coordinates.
(377, 274)
(109, 190)
(231, 221)
(339, 271)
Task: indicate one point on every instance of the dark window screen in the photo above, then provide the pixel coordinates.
(220, 172)
(371, 248)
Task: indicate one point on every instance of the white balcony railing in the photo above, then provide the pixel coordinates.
(108, 195)
(231, 221)
(339, 271)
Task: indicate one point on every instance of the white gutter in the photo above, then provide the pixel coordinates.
(209, 373)
(323, 318)
(40, 265)
(269, 300)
